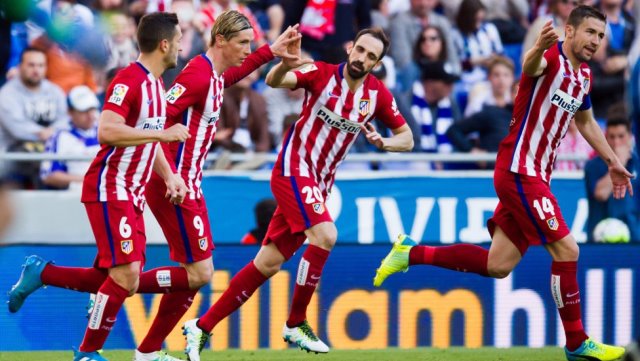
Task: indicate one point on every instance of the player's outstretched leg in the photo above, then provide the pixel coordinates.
(196, 339)
(303, 336)
(87, 356)
(28, 283)
(591, 350)
(396, 261)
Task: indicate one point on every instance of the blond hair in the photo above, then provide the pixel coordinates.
(229, 24)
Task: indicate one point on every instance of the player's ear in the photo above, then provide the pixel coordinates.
(569, 31)
(220, 40)
(164, 45)
(348, 46)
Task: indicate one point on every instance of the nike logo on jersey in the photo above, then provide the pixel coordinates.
(331, 95)
(565, 101)
(338, 122)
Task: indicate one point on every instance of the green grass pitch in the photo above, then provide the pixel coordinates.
(422, 354)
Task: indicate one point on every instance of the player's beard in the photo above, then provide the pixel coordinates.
(578, 53)
(354, 73)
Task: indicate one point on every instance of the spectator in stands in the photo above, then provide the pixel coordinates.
(633, 89)
(380, 14)
(405, 29)
(476, 42)
(81, 138)
(280, 103)
(30, 105)
(122, 46)
(559, 13)
(328, 27)
(191, 43)
(496, 91)
(430, 47)
(609, 70)
(30, 109)
(574, 144)
(263, 212)
(243, 114)
(599, 189)
(270, 15)
(491, 124)
(434, 109)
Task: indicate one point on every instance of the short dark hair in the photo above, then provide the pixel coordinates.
(466, 18)
(155, 27)
(31, 49)
(581, 12)
(377, 33)
(617, 115)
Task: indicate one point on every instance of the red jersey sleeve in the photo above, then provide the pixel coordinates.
(306, 75)
(387, 109)
(190, 87)
(258, 58)
(123, 95)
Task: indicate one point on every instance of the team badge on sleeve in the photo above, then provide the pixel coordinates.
(175, 92)
(394, 107)
(126, 246)
(553, 223)
(364, 107)
(203, 244)
(308, 69)
(318, 208)
(118, 94)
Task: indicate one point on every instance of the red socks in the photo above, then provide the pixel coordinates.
(164, 280)
(566, 294)
(241, 287)
(109, 300)
(458, 257)
(74, 278)
(172, 307)
(309, 272)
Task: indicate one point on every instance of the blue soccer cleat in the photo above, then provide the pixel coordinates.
(87, 356)
(594, 351)
(28, 283)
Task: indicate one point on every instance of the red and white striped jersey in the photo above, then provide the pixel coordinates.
(121, 173)
(330, 121)
(195, 100)
(542, 112)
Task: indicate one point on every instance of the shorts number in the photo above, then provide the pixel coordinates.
(197, 222)
(546, 207)
(310, 193)
(124, 228)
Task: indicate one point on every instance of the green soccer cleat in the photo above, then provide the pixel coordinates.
(196, 339)
(594, 351)
(396, 261)
(154, 356)
(303, 336)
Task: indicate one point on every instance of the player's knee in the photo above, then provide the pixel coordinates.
(498, 270)
(200, 277)
(126, 276)
(325, 237)
(268, 267)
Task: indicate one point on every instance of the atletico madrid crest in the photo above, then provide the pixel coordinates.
(203, 244)
(552, 223)
(126, 246)
(364, 107)
(318, 208)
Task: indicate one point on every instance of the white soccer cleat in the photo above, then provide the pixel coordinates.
(196, 339)
(153, 356)
(303, 336)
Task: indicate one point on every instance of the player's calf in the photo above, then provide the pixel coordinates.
(29, 282)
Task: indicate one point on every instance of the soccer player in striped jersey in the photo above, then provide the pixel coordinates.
(554, 88)
(341, 101)
(131, 126)
(195, 100)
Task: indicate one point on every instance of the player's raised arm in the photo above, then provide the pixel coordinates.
(281, 76)
(534, 62)
(620, 176)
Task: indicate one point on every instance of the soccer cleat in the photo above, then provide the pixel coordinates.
(303, 336)
(153, 356)
(594, 351)
(87, 356)
(196, 339)
(28, 283)
(396, 261)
